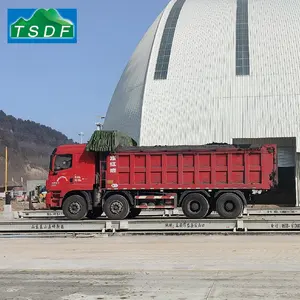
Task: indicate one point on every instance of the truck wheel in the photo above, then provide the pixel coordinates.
(134, 212)
(95, 213)
(229, 206)
(195, 206)
(75, 207)
(116, 207)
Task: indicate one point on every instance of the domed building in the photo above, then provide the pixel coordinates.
(216, 71)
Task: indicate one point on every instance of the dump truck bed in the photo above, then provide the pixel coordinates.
(211, 166)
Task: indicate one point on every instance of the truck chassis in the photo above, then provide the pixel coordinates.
(119, 205)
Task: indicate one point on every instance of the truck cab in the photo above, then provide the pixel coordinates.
(71, 174)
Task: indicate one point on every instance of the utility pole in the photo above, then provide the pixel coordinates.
(6, 170)
(7, 212)
(81, 134)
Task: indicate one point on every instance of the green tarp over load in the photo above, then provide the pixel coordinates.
(108, 141)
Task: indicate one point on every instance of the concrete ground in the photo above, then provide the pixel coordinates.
(149, 267)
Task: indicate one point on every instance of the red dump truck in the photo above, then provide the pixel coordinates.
(199, 179)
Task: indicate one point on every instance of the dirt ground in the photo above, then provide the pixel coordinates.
(151, 267)
(16, 206)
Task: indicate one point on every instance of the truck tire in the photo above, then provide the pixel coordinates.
(195, 206)
(95, 213)
(116, 207)
(134, 212)
(75, 207)
(229, 206)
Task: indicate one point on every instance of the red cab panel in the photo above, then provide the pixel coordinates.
(71, 169)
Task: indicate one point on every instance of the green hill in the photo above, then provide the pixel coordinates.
(30, 145)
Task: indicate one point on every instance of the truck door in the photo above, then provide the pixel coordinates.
(62, 171)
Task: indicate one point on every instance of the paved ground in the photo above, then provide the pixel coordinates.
(159, 268)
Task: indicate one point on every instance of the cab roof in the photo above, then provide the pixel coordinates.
(71, 148)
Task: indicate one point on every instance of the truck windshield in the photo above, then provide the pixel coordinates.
(63, 162)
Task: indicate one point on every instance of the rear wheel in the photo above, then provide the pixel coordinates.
(75, 207)
(95, 213)
(116, 207)
(134, 212)
(229, 206)
(195, 206)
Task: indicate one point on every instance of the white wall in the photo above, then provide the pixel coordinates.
(203, 100)
(124, 112)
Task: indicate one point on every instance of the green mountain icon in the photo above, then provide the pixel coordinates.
(43, 24)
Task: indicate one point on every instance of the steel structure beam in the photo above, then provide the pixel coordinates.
(258, 223)
(167, 212)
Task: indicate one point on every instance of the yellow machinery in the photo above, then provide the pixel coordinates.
(38, 194)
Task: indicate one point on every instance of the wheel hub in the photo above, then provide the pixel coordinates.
(116, 207)
(195, 206)
(75, 208)
(229, 206)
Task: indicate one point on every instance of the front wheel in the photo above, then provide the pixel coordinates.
(195, 206)
(116, 207)
(75, 207)
(229, 206)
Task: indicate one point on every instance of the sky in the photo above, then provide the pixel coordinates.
(69, 86)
